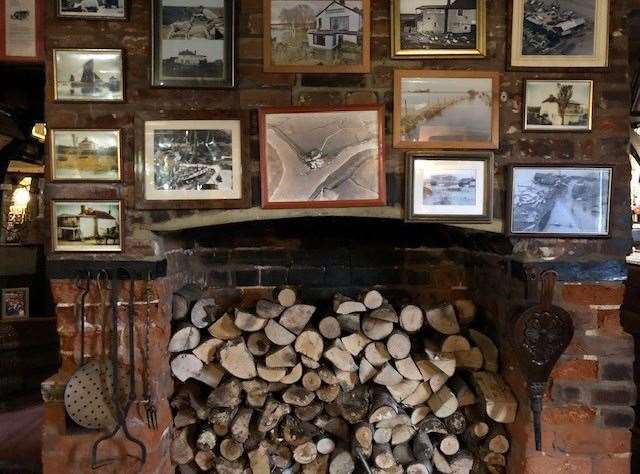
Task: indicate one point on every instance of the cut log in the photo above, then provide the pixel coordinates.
(372, 299)
(349, 322)
(461, 462)
(230, 449)
(383, 406)
(328, 393)
(293, 375)
(325, 445)
(377, 354)
(224, 328)
(411, 319)
(204, 312)
(403, 454)
(329, 327)
(335, 426)
(286, 296)
(493, 459)
(443, 319)
(278, 334)
(346, 380)
(461, 390)
(186, 366)
(184, 417)
(256, 391)
(248, 322)
(376, 329)
(385, 313)
(296, 317)
(402, 434)
(298, 396)
(224, 466)
(341, 359)
(366, 371)
(432, 424)
(208, 349)
(283, 357)
(237, 360)
(259, 460)
(310, 344)
(270, 374)
(206, 439)
(272, 414)
(408, 369)
(441, 463)
(183, 300)
(355, 342)
(455, 343)
(258, 344)
(402, 390)
(465, 310)
(354, 404)
(181, 451)
(220, 420)
(226, 395)
(497, 440)
(342, 463)
(445, 361)
(387, 376)
(309, 363)
(422, 447)
(211, 374)
(399, 345)
(421, 395)
(363, 437)
(309, 412)
(456, 423)
(268, 309)
(345, 305)
(471, 359)
(449, 445)
(488, 349)
(418, 468)
(311, 382)
(419, 413)
(496, 397)
(443, 402)
(305, 453)
(240, 425)
(185, 338)
(383, 456)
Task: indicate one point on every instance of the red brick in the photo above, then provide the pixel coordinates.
(259, 97)
(577, 369)
(561, 465)
(610, 465)
(590, 440)
(571, 415)
(588, 294)
(250, 48)
(609, 322)
(362, 97)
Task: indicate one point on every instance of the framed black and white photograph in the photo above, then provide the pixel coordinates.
(455, 187)
(193, 43)
(86, 226)
(560, 201)
(15, 303)
(88, 75)
(556, 105)
(93, 9)
(85, 155)
(559, 33)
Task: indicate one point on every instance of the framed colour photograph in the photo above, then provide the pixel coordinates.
(15, 303)
(316, 36)
(93, 9)
(85, 155)
(557, 105)
(560, 201)
(193, 43)
(454, 187)
(86, 226)
(438, 109)
(321, 157)
(438, 29)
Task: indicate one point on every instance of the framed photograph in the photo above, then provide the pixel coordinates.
(556, 105)
(560, 201)
(15, 303)
(88, 75)
(446, 109)
(322, 157)
(559, 33)
(93, 9)
(22, 31)
(193, 43)
(440, 28)
(85, 155)
(86, 226)
(453, 187)
(316, 36)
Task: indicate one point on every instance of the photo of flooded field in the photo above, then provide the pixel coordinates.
(89, 155)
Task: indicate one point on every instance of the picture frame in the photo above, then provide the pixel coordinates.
(416, 34)
(210, 133)
(193, 46)
(87, 225)
(15, 303)
(336, 37)
(446, 110)
(449, 187)
(339, 140)
(85, 155)
(22, 31)
(69, 63)
(112, 10)
(558, 105)
(579, 29)
(559, 201)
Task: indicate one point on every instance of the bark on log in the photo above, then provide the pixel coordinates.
(183, 299)
(268, 309)
(224, 328)
(204, 312)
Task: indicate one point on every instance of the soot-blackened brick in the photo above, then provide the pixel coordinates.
(273, 276)
(247, 277)
(306, 276)
(619, 417)
(337, 275)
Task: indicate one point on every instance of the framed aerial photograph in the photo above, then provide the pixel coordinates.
(446, 109)
(193, 43)
(15, 303)
(190, 160)
(86, 226)
(93, 9)
(88, 75)
(85, 155)
(316, 36)
(453, 187)
(560, 201)
(556, 105)
(559, 33)
(438, 28)
(322, 157)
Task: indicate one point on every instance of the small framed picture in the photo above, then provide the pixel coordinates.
(193, 43)
(320, 157)
(440, 29)
(93, 9)
(86, 226)
(455, 187)
(88, 75)
(316, 36)
(190, 160)
(560, 201)
(15, 303)
(556, 105)
(559, 34)
(85, 155)
(436, 109)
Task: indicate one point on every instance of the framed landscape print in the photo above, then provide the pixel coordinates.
(560, 201)
(86, 226)
(85, 155)
(93, 9)
(88, 75)
(316, 36)
(451, 187)
(322, 157)
(193, 43)
(446, 109)
(438, 28)
(15, 303)
(556, 105)
(560, 33)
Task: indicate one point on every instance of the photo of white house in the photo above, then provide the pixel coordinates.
(556, 105)
(87, 226)
(335, 24)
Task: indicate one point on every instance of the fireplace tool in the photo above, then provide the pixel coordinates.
(541, 334)
(147, 402)
(121, 408)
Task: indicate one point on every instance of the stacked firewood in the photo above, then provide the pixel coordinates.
(362, 386)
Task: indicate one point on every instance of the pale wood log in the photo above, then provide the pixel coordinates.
(411, 318)
(320, 465)
(226, 395)
(248, 322)
(309, 412)
(421, 395)
(408, 369)
(204, 312)
(286, 296)
(224, 466)
(185, 366)
(293, 375)
(268, 309)
(377, 354)
(387, 376)
(456, 423)
(278, 334)
(471, 359)
(363, 437)
(419, 413)
(240, 425)
(349, 322)
(258, 344)
(256, 391)
(449, 445)
(310, 344)
(305, 453)
(296, 317)
(465, 310)
(325, 445)
(270, 374)
(207, 350)
(461, 462)
(427, 369)
(345, 305)
(488, 349)
(376, 329)
(259, 460)
(403, 454)
(341, 359)
(419, 468)
(224, 328)
(461, 390)
(366, 371)
(211, 374)
(205, 460)
(342, 463)
(237, 360)
(441, 463)
(309, 363)
(493, 459)
(311, 381)
(437, 381)
(283, 357)
(385, 313)
(230, 449)
(372, 299)
(383, 406)
(395, 469)
(455, 343)
(497, 440)
(443, 319)
(185, 338)
(445, 361)
(183, 299)
(355, 343)
(185, 416)
(422, 446)
(403, 389)
(272, 414)
(181, 451)
(443, 402)
(327, 376)
(298, 396)
(329, 327)
(400, 419)
(347, 380)
(399, 345)
(383, 456)
(206, 439)
(402, 434)
(496, 397)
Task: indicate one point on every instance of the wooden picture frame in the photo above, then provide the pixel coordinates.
(6, 299)
(574, 208)
(469, 109)
(79, 15)
(370, 137)
(477, 20)
(182, 57)
(461, 184)
(553, 110)
(14, 45)
(326, 45)
(145, 120)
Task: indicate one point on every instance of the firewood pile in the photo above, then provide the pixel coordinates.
(361, 388)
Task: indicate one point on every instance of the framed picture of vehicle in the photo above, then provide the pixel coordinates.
(558, 105)
(86, 226)
(560, 201)
(193, 43)
(93, 9)
(15, 303)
